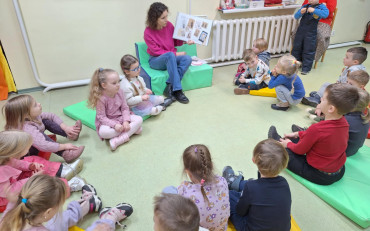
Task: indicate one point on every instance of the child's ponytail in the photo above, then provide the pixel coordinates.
(40, 193)
(289, 64)
(363, 105)
(197, 160)
(96, 89)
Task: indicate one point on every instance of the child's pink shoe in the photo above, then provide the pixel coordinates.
(78, 125)
(118, 140)
(72, 154)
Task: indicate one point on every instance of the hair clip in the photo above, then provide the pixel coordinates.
(294, 62)
(101, 69)
(202, 182)
(24, 200)
(196, 149)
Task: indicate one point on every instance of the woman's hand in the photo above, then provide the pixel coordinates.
(190, 42)
(180, 53)
(145, 97)
(285, 142)
(126, 126)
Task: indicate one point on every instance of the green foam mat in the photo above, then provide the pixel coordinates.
(195, 77)
(80, 111)
(350, 195)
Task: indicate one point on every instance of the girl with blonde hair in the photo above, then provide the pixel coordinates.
(37, 207)
(23, 112)
(113, 120)
(14, 172)
(288, 86)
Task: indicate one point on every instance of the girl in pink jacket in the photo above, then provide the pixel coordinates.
(15, 172)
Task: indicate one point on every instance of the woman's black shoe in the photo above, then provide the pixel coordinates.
(179, 95)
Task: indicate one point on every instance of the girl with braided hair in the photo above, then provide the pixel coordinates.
(208, 191)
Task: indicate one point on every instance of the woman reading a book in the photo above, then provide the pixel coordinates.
(158, 36)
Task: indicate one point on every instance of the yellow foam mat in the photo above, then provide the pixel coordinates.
(294, 226)
(75, 228)
(264, 92)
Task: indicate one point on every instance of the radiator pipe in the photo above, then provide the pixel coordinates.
(48, 86)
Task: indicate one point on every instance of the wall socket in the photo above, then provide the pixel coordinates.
(332, 33)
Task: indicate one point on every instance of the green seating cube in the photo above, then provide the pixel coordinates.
(195, 77)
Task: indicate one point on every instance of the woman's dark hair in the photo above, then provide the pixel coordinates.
(155, 11)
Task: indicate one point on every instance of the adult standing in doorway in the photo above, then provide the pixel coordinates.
(163, 54)
(323, 28)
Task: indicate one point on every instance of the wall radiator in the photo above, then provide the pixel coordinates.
(231, 37)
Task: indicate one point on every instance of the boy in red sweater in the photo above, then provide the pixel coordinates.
(318, 153)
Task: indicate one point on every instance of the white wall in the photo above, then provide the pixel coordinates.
(71, 38)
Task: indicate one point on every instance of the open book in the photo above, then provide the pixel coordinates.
(194, 28)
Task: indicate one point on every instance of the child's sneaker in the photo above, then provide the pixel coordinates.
(311, 111)
(296, 128)
(117, 213)
(87, 191)
(316, 118)
(72, 154)
(241, 91)
(138, 132)
(156, 110)
(71, 170)
(272, 134)
(311, 101)
(76, 183)
(232, 180)
(95, 203)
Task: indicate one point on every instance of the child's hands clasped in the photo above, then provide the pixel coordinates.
(118, 128)
(311, 9)
(303, 10)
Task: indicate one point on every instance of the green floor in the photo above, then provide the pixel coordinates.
(229, 125)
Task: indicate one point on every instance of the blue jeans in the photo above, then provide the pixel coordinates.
(175, 65)
(239, 222)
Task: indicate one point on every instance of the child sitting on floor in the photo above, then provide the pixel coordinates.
(139, 98)
(318, 154)
(174, 212)
(255, 77)
(353, 60)
(207, 190)
(260, 49)
(42, 197)
(16, 172)
(262, 204)
(358, 79)
(113, 120)
(288, 86)
(24, 113)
